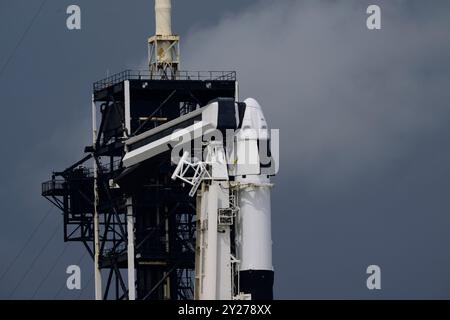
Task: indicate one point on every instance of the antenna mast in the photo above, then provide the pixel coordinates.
(164, 47)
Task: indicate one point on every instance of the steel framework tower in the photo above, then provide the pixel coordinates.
(149, 206)
(146, 228)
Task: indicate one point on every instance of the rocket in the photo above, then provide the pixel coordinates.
(234, 239)
(254, 234)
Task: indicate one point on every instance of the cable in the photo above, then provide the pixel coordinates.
(26, 244)
(22, 37)
(87, 283)
(50, 271)
(34, 260)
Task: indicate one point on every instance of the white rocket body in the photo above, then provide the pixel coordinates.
(254, 235)
(255, 250)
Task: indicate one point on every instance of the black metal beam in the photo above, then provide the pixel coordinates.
(155, 112)
(159, 283)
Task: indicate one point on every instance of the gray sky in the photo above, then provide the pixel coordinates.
(363, 117)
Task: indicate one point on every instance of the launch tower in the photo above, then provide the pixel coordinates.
(121, 200)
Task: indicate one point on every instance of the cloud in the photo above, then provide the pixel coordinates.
(362, 115)
(346, 99)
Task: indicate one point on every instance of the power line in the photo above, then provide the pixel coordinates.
(50, 271)
(22, 37)
(26, 244)
(85, 286)
(34, 260)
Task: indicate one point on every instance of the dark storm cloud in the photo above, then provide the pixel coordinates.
(364, 124)
(363, 118)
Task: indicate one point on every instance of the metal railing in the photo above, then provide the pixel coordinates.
(53, 185)
(147, 75)
(76, 174)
